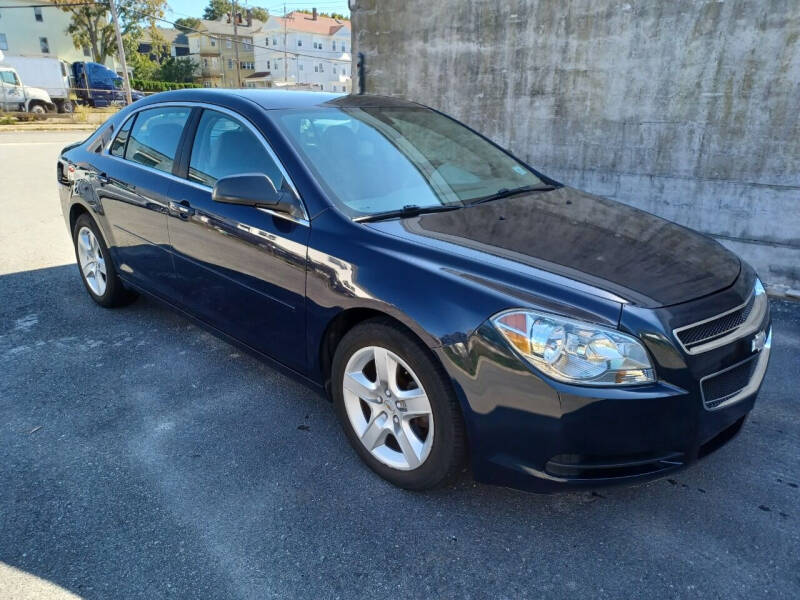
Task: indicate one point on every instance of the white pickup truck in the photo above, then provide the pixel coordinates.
(14, 96)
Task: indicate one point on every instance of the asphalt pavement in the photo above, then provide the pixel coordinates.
(141, 457)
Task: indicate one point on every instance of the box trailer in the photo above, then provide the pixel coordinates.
(47, 73)
(81, 82)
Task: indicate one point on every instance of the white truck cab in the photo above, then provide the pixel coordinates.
(14, 96)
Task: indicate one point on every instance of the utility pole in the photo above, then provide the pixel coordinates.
(121, 51)
(285, 63)
(236, 43)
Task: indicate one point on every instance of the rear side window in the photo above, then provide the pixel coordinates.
(154, 136)
(223, 146)
(118, 146)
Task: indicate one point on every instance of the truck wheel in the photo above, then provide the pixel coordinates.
(38, 109)
(66, 107)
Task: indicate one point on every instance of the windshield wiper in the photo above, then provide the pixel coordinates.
(506, 192)
(410, 210)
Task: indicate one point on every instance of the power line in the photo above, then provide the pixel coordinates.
(51, 5)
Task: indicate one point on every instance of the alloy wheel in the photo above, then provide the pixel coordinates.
(92, 262)
(388, 408)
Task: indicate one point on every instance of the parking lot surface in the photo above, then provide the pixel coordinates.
(141, 457)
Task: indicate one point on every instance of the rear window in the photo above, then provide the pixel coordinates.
(118, 146)
(154, 136)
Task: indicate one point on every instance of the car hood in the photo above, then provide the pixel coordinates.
(638, 256)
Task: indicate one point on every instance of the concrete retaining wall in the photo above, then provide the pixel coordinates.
(689, 109)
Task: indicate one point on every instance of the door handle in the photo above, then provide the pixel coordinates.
(181, 209)
(103, 179)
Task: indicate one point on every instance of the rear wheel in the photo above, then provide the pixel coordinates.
(397, 406)
(97, 270)
(67, 107)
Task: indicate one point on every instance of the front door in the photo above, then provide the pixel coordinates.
(12, 96)
(240, 268)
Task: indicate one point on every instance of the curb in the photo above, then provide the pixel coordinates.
(64, 127)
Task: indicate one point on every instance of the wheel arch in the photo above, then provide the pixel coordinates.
(341, 324)
(75, 211)
(37, 102)
(79, 207)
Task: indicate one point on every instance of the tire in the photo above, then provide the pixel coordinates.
(38, 109)
(413, 447)
(106, 288)
(67, 107)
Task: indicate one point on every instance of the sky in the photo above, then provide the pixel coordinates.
(194, 8)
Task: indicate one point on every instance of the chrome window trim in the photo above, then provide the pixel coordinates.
(750, 325)
(240, 118)
(755, 380)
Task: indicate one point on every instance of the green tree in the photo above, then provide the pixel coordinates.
(181, 69)
(219, 8)
(187, 24)
(90, 24)
(333, 15)
(262, 14)
(144, 67)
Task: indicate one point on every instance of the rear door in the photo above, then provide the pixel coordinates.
(240, 268)
(133, 183)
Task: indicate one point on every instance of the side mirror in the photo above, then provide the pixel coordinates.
(253, 189)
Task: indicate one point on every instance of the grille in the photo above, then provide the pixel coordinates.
(720, 387)
(704, 332)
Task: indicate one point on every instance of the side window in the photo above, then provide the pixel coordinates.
(9, 77)
(223, 146)
(118, 146)
(155, 135)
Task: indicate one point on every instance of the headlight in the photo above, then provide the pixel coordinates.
(574, 351)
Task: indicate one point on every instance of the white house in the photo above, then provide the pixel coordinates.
(303, 50)
(37, 29)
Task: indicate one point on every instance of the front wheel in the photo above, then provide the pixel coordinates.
(397, 406)
(38, 109)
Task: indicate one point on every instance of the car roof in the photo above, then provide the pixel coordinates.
(280, 99)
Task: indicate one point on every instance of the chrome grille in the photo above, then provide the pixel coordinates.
(726, 384)
(699, 334)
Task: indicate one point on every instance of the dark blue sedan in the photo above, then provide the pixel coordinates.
(449, 299)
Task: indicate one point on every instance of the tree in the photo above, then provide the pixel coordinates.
(220, 8)
(333, 15)
(187, 24)
(143, 65)
(181, 69)
(90, 25)
(262, 14)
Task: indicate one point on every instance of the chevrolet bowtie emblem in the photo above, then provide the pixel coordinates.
(758, 341)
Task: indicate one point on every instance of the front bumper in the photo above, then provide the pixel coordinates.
(543, 436)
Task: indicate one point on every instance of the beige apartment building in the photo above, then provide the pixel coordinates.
(214, 49)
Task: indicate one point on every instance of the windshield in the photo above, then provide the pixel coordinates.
(376, 160)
